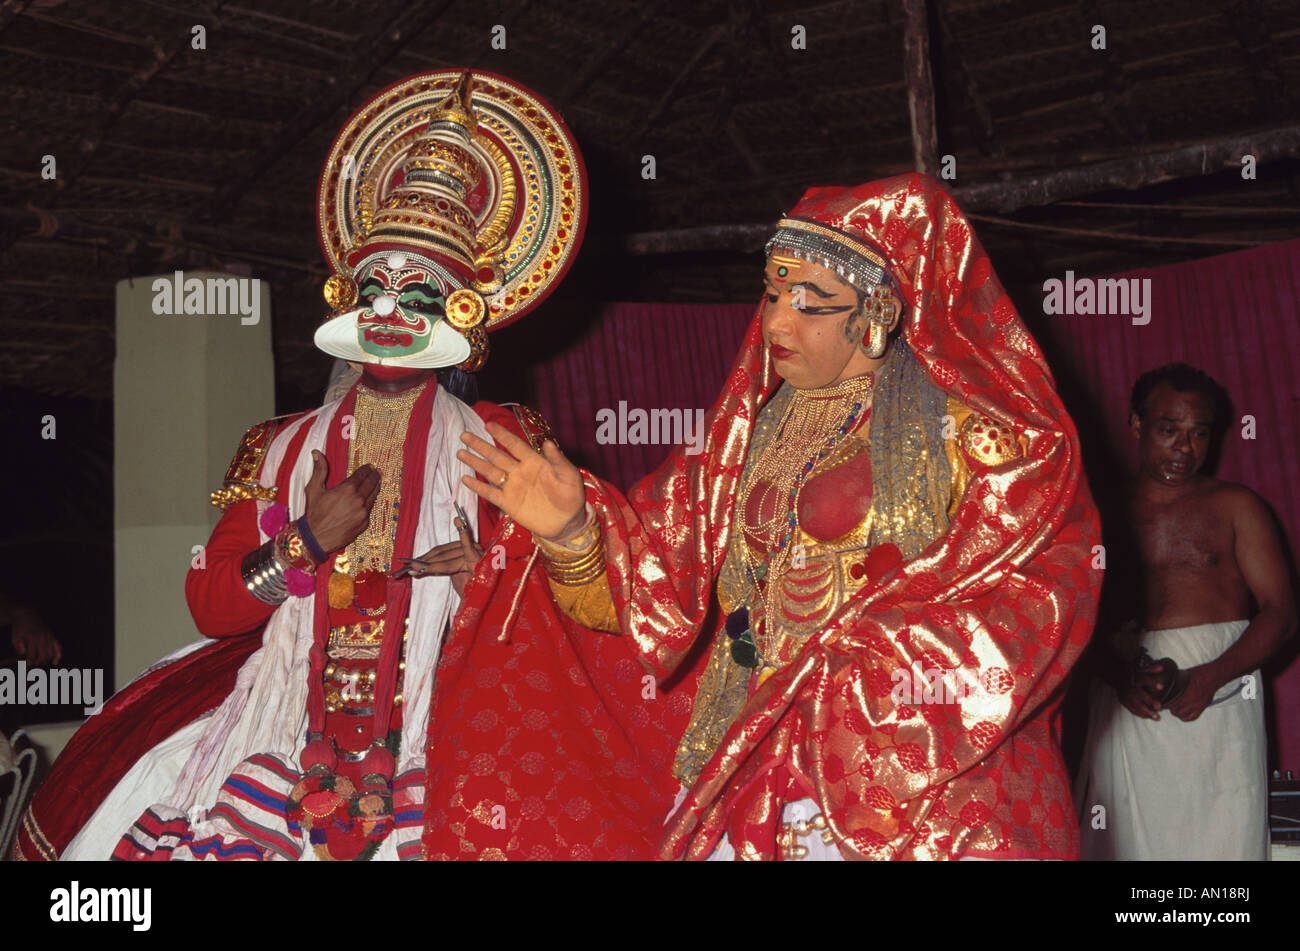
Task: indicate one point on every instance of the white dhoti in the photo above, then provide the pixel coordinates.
(1174, 790)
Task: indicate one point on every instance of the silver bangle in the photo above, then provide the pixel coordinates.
(263, 575)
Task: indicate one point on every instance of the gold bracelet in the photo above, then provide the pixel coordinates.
(578, 571)
(579, 545)
(575, 567)
(578, 577)
(596, 571)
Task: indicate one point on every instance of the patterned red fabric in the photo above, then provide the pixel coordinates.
(551, 743)
(1007, 595)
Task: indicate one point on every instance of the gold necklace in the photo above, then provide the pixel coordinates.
(812, 425)
(379, 436)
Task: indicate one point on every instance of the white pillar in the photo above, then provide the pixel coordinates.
(185, 388)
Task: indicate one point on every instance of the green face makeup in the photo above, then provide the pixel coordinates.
(400, 308)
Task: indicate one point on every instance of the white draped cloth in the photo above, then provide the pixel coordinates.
(267, 711)
(1174, 790)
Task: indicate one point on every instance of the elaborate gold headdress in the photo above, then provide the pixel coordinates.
(468, 174)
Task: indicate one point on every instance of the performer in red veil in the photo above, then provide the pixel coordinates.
(885, 546)
(450, 205)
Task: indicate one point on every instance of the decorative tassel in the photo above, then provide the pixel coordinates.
(378, 766)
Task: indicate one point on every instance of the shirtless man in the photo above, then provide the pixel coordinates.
(1208, 553)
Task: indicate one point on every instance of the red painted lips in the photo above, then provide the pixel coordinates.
(387, 338)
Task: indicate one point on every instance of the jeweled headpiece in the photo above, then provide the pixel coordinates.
(463, 185)
(856, 261)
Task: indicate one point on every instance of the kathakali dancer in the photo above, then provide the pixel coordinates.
(451, 204)
(882, 558)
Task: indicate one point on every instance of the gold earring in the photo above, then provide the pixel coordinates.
(874, 347)
(879, 311)
(340, 293)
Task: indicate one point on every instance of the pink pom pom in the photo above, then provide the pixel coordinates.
(299, 583)
(273, 519)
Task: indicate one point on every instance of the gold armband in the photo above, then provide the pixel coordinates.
(236, 492)
(987, 441)
(241, 480)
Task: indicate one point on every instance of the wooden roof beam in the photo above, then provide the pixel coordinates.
(10, 9)
(806, 110)
(163, 235)
(598, 64)
(1117, 111)
(1146, 168)
(982, 125)
(920, 87)
(113, 110)
(711, 40)
(1246, 20)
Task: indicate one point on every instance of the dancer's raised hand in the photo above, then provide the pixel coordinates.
(543, 491)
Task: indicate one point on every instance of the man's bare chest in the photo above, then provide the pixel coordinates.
(1191, 535)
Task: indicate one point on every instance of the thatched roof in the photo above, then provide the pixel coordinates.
(171, 156)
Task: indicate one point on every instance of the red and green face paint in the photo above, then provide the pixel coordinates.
(400, 304)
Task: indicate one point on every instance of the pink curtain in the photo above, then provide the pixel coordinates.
(1237, 317)
(647, 356)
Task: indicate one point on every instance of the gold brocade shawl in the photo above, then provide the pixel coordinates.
(1005, 597)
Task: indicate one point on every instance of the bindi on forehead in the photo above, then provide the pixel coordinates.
(784, 267)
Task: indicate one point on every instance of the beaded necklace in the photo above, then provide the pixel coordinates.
(800, 445)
